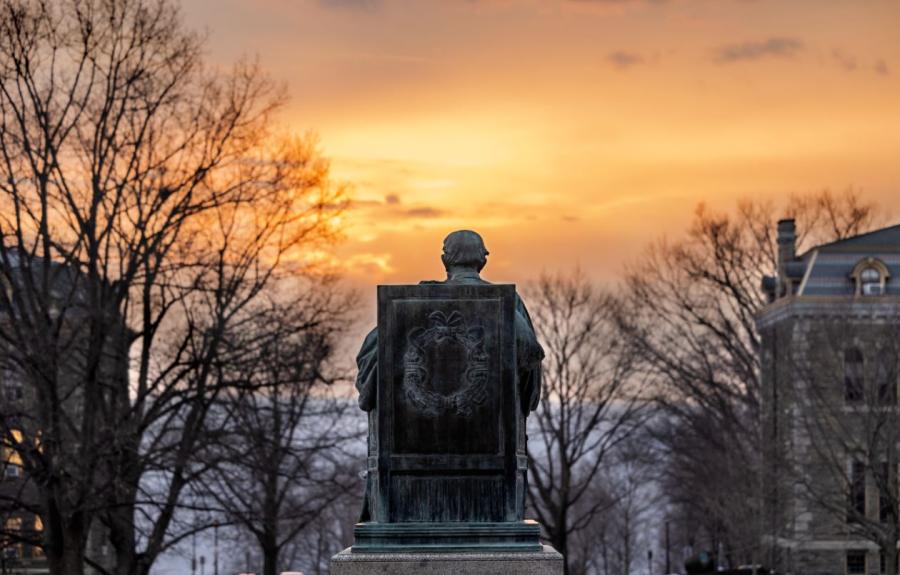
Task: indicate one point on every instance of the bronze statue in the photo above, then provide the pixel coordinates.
(464, 257)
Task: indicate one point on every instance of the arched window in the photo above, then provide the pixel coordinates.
(870, 275)
(853, 375)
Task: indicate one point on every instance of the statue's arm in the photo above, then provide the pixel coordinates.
(367, 376)
(529, 354)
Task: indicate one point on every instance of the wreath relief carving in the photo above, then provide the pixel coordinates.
(444, 329)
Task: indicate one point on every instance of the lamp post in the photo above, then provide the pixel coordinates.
(216, 549)
(668, 559)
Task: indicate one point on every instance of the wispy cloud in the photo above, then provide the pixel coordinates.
(845, 60)
(391, 207)
(849, 62)
(351, 4)
(617, 1)
(774, 47)
(624, 60)
(424, 212)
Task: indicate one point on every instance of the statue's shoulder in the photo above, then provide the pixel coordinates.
(456, 281)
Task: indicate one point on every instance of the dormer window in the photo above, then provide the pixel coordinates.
(870, 276)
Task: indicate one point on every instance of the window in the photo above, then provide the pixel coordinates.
(856, 562)
(856, 504)
(886, 378)
(12, 551)
(14, 524)
(886, 493)
(870, 282)
(37, 550)
(12, 460)
(853, 375)
(6, 289)
(13, 392)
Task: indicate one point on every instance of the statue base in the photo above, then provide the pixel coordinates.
(546, 561)
(447, 537)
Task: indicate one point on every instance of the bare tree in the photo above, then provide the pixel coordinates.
(843, 381)
(617, 540)
(330, 533)
(145, 207)
(588, 405)
(689, 313)
(282, 464)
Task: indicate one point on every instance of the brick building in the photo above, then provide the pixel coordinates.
(829, 359)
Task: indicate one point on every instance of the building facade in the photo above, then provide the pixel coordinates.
(22, 535)
(830, 343)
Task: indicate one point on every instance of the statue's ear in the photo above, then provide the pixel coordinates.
(476, 334)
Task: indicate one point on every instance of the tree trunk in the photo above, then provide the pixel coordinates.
(71, 562)
(121, 536)
(121, 504)
(626, 547)
(270, 558)
(890, 559)
(66, 555)
(561, 539)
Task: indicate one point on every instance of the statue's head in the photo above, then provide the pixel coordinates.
(464, 249)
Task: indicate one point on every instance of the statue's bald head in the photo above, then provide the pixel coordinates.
(464, 249)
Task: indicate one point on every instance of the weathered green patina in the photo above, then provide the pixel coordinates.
(448, 377)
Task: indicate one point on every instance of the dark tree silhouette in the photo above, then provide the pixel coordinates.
(144, 207)
(589, 404)
(280, 464)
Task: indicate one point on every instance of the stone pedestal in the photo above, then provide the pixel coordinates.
(544, 562)
(506, 537)
(448, 378)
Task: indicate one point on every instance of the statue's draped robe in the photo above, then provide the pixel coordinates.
(529, 355)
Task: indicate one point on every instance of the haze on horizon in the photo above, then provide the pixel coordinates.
(572, 131)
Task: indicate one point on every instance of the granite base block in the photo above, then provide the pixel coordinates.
(545, 562)
(450, 537)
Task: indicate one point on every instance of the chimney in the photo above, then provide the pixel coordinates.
(787, 252)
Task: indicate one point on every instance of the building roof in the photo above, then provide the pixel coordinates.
(828, 268)
(885, 238)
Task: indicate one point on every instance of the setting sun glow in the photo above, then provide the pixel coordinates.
(572, 131)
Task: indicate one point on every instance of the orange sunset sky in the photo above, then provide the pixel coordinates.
(571, 131)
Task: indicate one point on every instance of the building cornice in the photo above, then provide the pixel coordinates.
(828, 306)
(822, 544)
